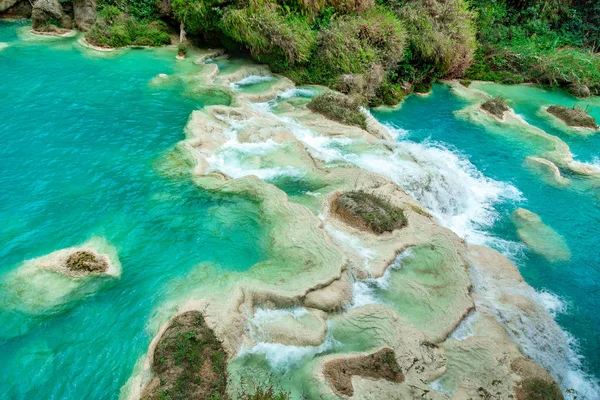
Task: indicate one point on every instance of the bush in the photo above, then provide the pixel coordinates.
(352, 44)
(440, 33)
(270, 36)
(339, 108)
(116, 29)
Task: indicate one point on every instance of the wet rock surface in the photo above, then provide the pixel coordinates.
(87, 262)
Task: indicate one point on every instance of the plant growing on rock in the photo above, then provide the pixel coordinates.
(339, 108)
(114, 28)
(496, 106)
(441, 33)
(366, 210)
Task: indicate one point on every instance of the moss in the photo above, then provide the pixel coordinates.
(575, 116)
(369, 211)
(496, 106)
(339, 108)
(539, 389)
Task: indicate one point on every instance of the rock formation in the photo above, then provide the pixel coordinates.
(84, 14)
(574, 117)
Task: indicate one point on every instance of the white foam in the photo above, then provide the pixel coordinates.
(464, 330)
(250, 80)
(366, 291)
(536, 332)
(442, 180)
(237, 159)
(295, 92)
(282, 357)
(352, 244)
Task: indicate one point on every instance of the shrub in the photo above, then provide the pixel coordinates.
(116, 29)
(353, 43)
(441, 33)
(270, 36)
(339, 107)
(574, 116)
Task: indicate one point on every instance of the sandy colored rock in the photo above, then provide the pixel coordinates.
(550, 171)
(541, 238)
(332, 297)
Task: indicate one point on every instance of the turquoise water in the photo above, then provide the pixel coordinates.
(81, 135)
(572, 211)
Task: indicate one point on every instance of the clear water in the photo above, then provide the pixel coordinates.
(81, 136)
(572, 211)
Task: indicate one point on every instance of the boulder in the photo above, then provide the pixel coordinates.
(6, 4)
(85, 14)
(578, 90)
(44, 12)
(15, 9)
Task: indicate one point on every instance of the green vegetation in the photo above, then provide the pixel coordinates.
(552, 42)
(339, 108)
(377, 51)
(369, 211)
(189, 362)
(540, 389)
(114, 28)
(496, 106)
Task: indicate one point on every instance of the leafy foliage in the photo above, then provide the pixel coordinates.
(441, 33)
(114, 28)
(272, 37)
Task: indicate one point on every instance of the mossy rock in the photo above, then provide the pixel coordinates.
(379, 365)
(367, 211)
(575, 117)
(189, 362)
(84, 261)
(496, 106)
(539, 389)
(340, 108)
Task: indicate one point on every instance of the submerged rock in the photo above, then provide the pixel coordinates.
(84, 14)
(574, 117)
(540, 237)
(549, 170)
(53, 280)
(188, 361)
(379, 365)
